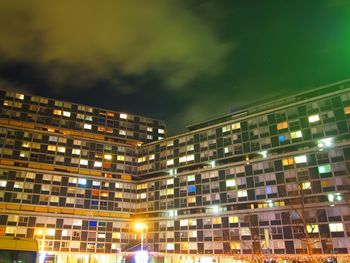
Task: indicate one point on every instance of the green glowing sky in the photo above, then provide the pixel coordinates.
(181, 61)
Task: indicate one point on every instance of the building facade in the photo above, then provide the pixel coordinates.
(270, 179)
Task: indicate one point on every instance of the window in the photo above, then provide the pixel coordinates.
(170, 162)
(233, 219)
(161, 131)
(282, 125)
(324, 169)
(98, 164)
(66, 113)
(51, 148)
(87, 126)
(242, 193)
(236, 126)
(231, 183)
(305, 185)
(190, 178)
(245, 231)
(123, 116)
(300, 159)
(347, 110)
(57, 112)
(336, 227)
(19, 96)
(296, 134)
(83, 162)
(108, 157)
(282, 138)
(76, 151)
(191, 188)
(120, 158)
(122, 132)
(288, 161)
(314, 118)
(313, 228)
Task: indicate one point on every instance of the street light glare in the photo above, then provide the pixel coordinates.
(140, 226)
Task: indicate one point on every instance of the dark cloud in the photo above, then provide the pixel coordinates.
(87, 40)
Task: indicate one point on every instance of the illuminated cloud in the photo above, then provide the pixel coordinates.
(83, 40)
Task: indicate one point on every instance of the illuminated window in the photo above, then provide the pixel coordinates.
(170, 246)
(19, 96)
(347, 110)
(120, 157)
(123, 116)
(26, 144)
(151, 157)
(3, 183)
(236, 126)
(149, 129)
(83, 162)
(296, 134)
(226, 128)
(116, 235)
(191, 178)
(77, 222)
(226, 150)
(245, 231)
(169, 181)
(18, 185)
(282, 125)
(108, 157)
(313, 228)
(282, 138)
(170, 162)
(54, 199)
(87, 126)
(233, 219)
(300, 159)
(96, 183)
(118, 194)
(98, 164)
(191, 199)
(235, 245)
(336, 227)
(216, 220)
(76, 151)
(230, 183)
(61, 149)
(66, 114)
(170, 191)
(314, 118)
(101, 235)
(242, 193)
(182, 159)
(324, 169)
(191, 188)
(122, 132)
(51, 148)
(57, 112)
(288, 161)
(161, 131)
(50, 232)
(305, 185)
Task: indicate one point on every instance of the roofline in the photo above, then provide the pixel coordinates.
(246, 107)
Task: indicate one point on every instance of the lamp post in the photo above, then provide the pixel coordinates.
(140, 227)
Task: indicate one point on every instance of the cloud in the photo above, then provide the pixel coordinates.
(85, 40)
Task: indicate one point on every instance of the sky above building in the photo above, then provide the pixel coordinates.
(183, 61)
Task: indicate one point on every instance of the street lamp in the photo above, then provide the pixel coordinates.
(140, 227)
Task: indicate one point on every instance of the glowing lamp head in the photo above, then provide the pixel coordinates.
(140, 226)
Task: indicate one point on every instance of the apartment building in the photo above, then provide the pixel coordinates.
(270, 179)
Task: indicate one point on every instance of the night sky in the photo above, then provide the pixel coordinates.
(183, 61)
